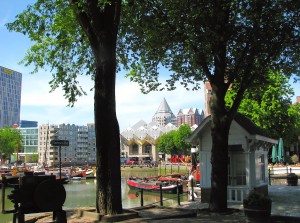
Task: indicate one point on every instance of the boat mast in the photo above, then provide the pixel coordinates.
(45, 154)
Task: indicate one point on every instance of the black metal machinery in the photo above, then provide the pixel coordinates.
(36, 194)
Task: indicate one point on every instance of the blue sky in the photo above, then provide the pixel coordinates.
(37, 104)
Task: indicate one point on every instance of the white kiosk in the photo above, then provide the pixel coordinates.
(248, 158)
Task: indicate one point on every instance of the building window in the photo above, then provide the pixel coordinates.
(236, 169)
(260, 169)
(135, 149)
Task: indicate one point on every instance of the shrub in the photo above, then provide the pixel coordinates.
(294, 159)
(257, 200)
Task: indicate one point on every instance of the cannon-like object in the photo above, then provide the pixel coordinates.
(36, 194)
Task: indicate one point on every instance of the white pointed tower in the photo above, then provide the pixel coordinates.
(164, 115)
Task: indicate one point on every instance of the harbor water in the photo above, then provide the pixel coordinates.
(82, 193)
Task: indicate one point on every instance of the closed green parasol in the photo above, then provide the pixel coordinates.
(280, 151)
(274, 154)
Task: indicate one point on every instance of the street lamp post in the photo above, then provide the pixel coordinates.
(59, 151)
(59, 143)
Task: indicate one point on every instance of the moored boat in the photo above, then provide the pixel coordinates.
(154, 184)
(90, 173)
(77, 173)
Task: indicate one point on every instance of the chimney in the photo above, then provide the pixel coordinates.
(298, 99)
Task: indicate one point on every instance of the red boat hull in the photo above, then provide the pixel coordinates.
(154, 186)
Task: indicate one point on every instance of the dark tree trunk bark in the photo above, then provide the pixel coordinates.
(107, 146)
(221, 122)
(107, 135)
(100, 24)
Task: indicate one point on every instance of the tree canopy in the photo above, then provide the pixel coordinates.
(73, 38)
(189, 38)
(184, 131)
(59, 44)
(269, 106)
(223, 42)
(166, 143)
(10, 142)
(173, 142)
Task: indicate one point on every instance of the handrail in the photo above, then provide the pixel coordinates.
(161, 196)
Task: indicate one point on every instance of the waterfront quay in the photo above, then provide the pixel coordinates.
(81, 200)
(80, 194)
(285, 208)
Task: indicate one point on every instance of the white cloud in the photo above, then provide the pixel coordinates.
(132, 106)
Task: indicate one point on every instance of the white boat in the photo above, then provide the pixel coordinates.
(90, 173)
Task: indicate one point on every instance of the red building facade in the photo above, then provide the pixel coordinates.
(190, 116)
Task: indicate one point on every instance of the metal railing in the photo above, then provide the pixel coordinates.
(161, 200)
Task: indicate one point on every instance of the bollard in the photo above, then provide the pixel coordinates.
(178, 193)
(269, 176)
(161, 197)
(3, 193)
(160, 168)
(142, 198)
(192, 183)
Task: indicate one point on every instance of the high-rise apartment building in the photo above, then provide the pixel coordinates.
(67, 132)
(29, 151)
(10, 97)
(190, 116)
(91, 143)
(81, 149)
(82, 144)
(47, 156)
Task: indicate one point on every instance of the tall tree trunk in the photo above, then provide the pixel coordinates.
(108, 197)
(108, 172)
(219, 155)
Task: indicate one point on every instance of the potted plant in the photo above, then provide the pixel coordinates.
(292, 179)
(257, 207)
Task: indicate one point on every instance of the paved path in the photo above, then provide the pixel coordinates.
(285, 208)
(285, 200)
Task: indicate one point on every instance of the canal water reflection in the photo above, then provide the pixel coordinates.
(82, 193)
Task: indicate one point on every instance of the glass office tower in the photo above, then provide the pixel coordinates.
(10, 97)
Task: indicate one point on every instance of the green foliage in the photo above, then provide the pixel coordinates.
(73, 38)
(183, 132)
(166, 143)
(31, 158)
(34, 158)
(294, 159)
(59, 44)
(173, 142)
(191, 38)
(291, 176)
(269, 106)
(10, 141)
(257, 200)
(223, 42)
